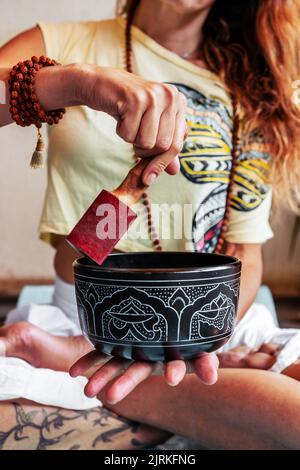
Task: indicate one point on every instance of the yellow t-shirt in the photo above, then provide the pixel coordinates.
(86, 155)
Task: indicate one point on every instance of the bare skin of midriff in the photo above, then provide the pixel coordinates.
(66, 255)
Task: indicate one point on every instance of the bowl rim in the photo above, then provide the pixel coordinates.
(79, 263)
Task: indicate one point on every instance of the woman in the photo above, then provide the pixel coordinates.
(209, 52)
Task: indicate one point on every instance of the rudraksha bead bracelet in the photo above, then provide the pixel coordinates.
(25, 108)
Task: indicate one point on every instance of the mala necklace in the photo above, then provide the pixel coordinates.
(235, 152)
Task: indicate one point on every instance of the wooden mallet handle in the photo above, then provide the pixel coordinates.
(131, 189)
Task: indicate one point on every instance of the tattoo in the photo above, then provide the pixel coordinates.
(40, 428)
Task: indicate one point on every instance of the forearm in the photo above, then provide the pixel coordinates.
(100, 88)
(250, 283)
(251, 276)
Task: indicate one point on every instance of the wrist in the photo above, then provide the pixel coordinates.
(58, 87)
(85, 82)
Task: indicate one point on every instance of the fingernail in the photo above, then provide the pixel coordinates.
(150, 179)
(2, 349)
(175, 380)
(173, 384)
(214, 378)
(112, 402)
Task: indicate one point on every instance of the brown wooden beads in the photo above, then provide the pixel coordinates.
(25, 108)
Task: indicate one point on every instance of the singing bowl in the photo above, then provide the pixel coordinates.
(158, 306)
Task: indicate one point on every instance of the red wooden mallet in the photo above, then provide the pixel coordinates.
(108, 218)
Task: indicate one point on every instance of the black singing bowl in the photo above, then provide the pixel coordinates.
(158, 306)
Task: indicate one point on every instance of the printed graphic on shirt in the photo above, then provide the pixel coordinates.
(207, 222)
(206, 158)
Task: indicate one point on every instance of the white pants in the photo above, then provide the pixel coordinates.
(20, 379)
(257, 327)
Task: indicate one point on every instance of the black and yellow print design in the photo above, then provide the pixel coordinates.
(206, 159)
(250, 177)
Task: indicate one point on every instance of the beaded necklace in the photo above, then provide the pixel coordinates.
(157, 245)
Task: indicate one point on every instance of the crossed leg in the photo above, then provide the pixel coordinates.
(28, 426)
(245, 409)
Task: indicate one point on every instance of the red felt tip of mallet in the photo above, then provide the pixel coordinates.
(108, 218)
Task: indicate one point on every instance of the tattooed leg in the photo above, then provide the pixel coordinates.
(27, 426)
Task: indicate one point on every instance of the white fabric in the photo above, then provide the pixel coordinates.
(18, 379)
(257, 327)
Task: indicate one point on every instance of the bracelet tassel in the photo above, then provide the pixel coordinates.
(37, 160)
